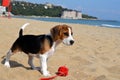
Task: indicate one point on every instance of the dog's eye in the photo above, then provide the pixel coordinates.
(66, 34)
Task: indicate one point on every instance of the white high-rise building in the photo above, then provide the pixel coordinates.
(72, 14)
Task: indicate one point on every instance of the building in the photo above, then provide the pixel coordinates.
(72, 14)
(48, 5)
(79, 15)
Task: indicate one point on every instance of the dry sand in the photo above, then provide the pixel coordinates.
(94, 56)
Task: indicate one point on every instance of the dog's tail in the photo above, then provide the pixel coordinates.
(22, 28)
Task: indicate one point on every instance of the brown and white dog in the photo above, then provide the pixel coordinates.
(40, 46)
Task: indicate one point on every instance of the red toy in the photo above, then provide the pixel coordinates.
(62, 71)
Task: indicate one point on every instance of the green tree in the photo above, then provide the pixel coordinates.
(0, 2)
(28, 9)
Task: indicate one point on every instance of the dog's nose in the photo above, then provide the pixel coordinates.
(71, 42)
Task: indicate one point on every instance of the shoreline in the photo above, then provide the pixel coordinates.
(99, 23)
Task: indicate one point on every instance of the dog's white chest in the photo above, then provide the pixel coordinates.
(52, 50)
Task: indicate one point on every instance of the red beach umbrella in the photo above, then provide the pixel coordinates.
(5, 3)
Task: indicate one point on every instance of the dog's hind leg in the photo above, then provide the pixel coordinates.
(7, 63)
(12, 51)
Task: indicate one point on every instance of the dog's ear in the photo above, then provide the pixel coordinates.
(56, 32)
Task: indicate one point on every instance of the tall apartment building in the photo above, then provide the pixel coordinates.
(72, 14)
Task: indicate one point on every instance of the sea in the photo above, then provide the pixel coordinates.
(99, 23)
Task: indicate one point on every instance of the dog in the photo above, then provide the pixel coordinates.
(40, 46)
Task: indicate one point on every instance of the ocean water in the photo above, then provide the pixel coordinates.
(101, 23)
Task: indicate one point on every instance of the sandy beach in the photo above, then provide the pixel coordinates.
(94, 56)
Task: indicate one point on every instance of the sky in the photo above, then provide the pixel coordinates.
(103, 9)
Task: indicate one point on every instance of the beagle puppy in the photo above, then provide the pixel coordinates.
(40, 46)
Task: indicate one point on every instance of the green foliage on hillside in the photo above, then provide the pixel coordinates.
(29, 9)
(0, 2)
(88, 17)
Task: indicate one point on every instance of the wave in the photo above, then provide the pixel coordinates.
(109, 25)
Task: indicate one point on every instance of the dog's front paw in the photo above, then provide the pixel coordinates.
(46, 73)
(7, 64)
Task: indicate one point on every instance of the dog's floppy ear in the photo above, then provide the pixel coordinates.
(55, 32)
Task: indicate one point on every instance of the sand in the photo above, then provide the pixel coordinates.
(94, 56)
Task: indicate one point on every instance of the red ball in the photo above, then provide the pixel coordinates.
(62, 71)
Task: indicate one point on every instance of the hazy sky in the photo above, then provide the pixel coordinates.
(103, 9)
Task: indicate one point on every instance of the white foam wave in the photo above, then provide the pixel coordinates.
(108, 25)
